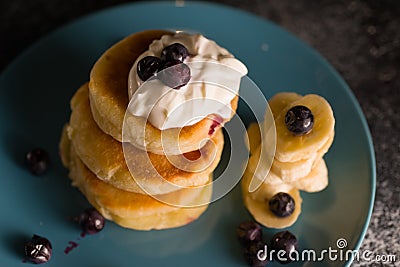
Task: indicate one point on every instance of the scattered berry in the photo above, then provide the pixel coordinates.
(254, 254)
(248, 232)
(91, 221)
(174, 52)
(175, 74)
(284, 241)
(37, 161)
(299, 120)
(281, 204)
(148, 67)
(38, 249)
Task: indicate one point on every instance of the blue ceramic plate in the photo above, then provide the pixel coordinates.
(34, 104)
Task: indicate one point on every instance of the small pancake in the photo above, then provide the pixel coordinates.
(108, 90)
(132, 210)
(105, 157)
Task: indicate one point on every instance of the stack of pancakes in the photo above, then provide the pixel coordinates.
(92, 149)
(298, 163)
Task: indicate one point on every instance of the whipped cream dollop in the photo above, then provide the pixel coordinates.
(215, 81)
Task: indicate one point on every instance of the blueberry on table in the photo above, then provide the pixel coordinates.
(248, 232)
(281, 204)
(175, 74)
(255, 254)
(37, 161)
(38, 249)
(299, 120)
(174, 52)
(91, 221)
(287, 242)
(148, 67)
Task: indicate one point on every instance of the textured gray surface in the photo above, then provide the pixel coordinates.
(361, 39)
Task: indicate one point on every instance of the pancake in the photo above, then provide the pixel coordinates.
(132, 210)
(104, 156)
(108, 91)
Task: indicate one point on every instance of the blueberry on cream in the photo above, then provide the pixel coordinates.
(148, 67)
(174, 52)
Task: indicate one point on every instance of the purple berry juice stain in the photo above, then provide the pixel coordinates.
(72, 245)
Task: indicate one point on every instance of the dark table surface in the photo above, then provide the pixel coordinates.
(361, 39)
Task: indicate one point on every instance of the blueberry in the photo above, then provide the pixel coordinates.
(254, 257)
(38, 249)
(91, 221)
(299, 120)
(37, 161)
(174, 52)
(248, 232)
(281, 204)
(285, 242)
(175, 74)
(148, 67)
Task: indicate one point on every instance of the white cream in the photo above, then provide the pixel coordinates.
(215, 81)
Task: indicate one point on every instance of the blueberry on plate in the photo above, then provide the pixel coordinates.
(281, 204)
(37, 161)
(148, 67)
(248, 232)
(284, 244)
(299, 120)
(175, 74)
(91, 221)
(174, 52)
(38, 249)
(256, 254)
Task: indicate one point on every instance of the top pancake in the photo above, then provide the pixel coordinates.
(108, 91)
